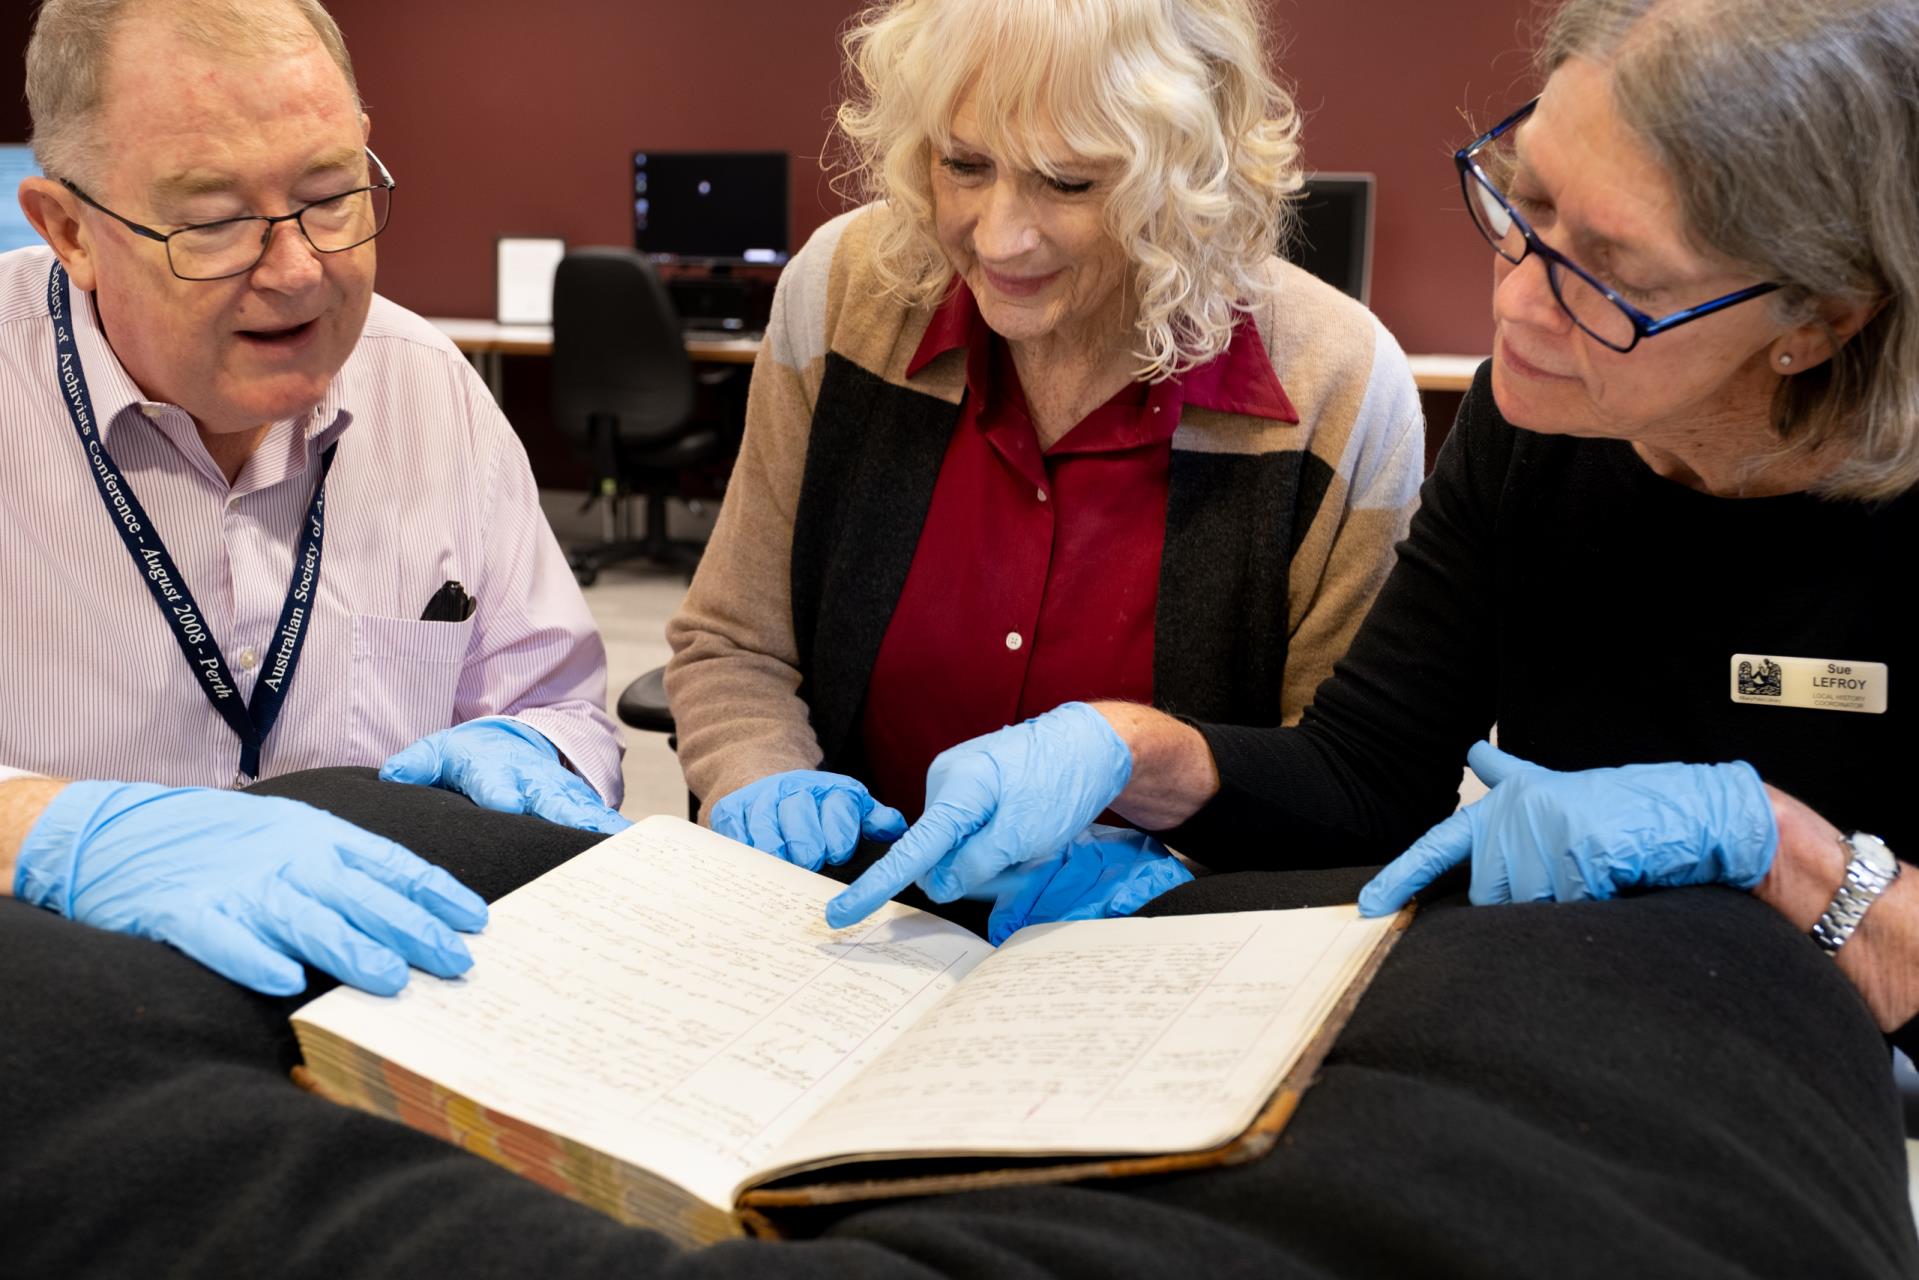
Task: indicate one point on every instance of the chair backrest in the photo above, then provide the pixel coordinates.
(617, 349)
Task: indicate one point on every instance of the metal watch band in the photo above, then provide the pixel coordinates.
(1870, 871)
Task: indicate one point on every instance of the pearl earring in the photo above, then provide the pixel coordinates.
(1785, 360)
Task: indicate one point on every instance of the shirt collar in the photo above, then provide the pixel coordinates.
(108, 383)
(1239, 380)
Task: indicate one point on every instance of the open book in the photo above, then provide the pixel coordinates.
(665, 1024)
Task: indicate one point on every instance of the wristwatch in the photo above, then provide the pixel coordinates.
(1870, 872)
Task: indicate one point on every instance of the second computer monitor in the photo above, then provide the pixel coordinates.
(711, 206)
(1334, 236)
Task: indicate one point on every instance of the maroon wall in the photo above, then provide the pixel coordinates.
(504, 117)
(15, 25)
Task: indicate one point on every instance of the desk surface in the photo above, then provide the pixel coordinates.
(1444, 373)
(486, 337)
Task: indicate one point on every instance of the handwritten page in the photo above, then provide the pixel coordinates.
(1131, 1035)
(669, 997)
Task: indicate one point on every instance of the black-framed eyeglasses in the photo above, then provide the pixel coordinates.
(234, 246)
(1593, 305)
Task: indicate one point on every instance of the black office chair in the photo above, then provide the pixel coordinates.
(643, 706)
(624, 393)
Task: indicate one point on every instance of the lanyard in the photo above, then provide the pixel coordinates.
(252, 722)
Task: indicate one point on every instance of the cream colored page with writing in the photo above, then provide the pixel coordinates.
(669, 997)
(1132, 1035)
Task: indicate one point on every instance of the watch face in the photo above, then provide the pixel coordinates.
(1873, 852)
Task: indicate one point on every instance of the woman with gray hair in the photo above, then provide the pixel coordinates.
(1046, 422)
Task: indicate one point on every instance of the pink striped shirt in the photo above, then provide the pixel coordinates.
(429, 484)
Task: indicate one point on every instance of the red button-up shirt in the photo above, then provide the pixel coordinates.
(1036, 576)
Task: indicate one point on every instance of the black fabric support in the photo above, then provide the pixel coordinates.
(1673, 1085)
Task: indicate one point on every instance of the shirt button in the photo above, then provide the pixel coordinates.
(1013, 640)
(152, 411)
(1041, 493)
(246, 659)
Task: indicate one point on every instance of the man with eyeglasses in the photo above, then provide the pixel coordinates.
(257, 519)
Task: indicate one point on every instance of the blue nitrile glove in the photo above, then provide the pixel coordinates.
(246, 885)
(806, 817)
(998, 800)
(1106, 871)
(1540, 835)
(502, 764)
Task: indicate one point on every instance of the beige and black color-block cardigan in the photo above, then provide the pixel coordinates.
(1278, 535)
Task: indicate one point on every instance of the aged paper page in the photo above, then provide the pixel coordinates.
(1134, 1036)
(669, 997)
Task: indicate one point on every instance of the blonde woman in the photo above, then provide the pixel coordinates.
(1046, 421)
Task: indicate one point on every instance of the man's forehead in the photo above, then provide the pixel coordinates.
(183, 118)
(158, 73)
(206, 180)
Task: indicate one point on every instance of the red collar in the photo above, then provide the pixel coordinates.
(1239, 380)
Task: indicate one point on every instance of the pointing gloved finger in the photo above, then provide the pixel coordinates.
(1444, 847)
(952, 830)
(411, 876)
(233, 951)
(977, 859)
(806, 842)
(923, 845)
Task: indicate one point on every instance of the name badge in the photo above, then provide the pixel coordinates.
(1767, 680)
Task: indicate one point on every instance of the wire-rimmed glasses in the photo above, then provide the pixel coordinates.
(234, 246)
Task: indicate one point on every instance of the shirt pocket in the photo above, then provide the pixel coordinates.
(405, 675)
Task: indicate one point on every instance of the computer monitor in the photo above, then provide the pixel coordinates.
(1334, 237)
(711, 206)
(16, 162)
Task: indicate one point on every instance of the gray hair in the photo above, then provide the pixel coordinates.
(72, 40)
(1791, 132)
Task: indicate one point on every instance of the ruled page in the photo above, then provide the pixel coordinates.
(669, 997)
(1106, 1036)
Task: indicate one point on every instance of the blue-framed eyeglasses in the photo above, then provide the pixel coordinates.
(1594, 306)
